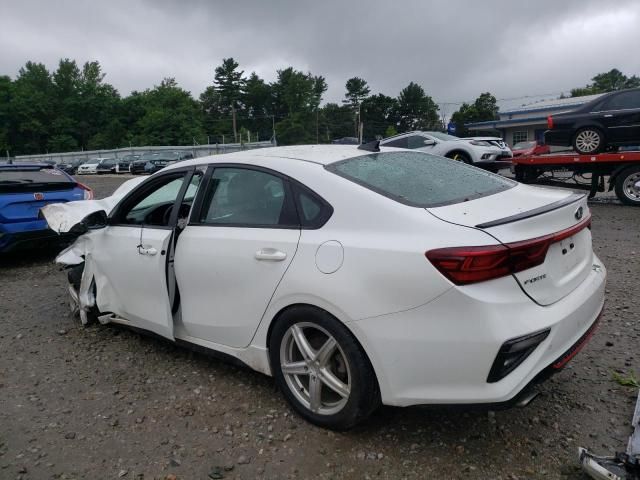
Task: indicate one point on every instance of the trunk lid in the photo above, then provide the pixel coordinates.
(525, 213)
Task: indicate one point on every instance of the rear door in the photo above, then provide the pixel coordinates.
(234, 252)
(525, 213)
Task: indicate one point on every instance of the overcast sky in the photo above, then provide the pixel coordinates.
(454, 49)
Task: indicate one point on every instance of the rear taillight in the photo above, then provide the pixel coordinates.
(550, 122)
(465, 265)
(88, 193)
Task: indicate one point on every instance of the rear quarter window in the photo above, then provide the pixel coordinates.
(419, 179)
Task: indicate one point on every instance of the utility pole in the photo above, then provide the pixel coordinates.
(360, 125)
(317, 128)
(273, 129)
(235, 132)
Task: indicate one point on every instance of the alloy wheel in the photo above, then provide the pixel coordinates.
(315, 368)
(588, 141)
(631, 187)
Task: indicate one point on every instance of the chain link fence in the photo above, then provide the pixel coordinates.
(195, 150)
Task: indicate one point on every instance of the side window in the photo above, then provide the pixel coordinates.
(244, 197)
(313, 211)
(398, 143)
(155, 206)
(416, 141)
(623, 101)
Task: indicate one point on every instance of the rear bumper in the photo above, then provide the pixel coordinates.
(442, 352)
(10, 242)
(559, 137)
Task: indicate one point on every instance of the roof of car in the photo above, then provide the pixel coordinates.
(318, 154)
(12, 166)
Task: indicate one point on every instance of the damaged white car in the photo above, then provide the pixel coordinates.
(354, 275)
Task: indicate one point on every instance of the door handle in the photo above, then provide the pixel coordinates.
(147, 250)
(270, 254)
(608, 115)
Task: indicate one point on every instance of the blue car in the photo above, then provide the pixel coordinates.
(24, 190)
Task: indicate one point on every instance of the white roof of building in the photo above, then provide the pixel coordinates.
(553, 103)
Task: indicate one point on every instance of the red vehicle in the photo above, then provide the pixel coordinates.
(584, 172)
(530, 148)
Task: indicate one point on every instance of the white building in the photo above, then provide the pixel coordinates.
(528, 122)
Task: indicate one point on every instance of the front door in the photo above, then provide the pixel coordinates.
(233, 254)
(621, 117)
(131, 254)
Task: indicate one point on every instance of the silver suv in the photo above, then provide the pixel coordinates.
(490, 153)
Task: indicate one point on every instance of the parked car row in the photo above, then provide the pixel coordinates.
(149, 162)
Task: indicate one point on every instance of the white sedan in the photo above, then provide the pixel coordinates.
(354, 276)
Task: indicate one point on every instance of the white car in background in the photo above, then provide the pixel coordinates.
(354, 275)
(90, 166)
(490, 153)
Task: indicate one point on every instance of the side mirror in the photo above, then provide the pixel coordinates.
(96, 220)
(429, 143)
(93, 221)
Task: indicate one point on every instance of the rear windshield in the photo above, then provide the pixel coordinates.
(419, 179)
(17, 180)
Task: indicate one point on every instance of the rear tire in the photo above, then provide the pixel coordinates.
(327, 376)
(628, 186)
(589, 140)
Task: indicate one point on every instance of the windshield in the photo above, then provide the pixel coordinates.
(442, 136)
(92, 161)
(523, 145)
(419, 179)
(149, 156)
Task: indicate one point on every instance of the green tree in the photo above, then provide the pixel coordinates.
(31, 109)
(379, 113)
(483, 109)
(416, 110)
(609, 81)
(336, 121)
(216, 121)
(296, 98)
(229, 84)
(6, 86)
(258, 102)
(357, 91)
(172, 116)
(98, 104)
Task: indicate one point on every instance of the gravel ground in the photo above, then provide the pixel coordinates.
(105, 402)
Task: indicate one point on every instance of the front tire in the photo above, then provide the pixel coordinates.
(321, 369)
(460, 156)
(628, 186)
(588, 140)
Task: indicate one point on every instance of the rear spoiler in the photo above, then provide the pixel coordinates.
(573, 198)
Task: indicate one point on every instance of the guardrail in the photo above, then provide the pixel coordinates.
(196, 150)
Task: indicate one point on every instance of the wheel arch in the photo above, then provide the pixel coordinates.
(452, 152)
(371, 357)
(589, 124)
(613, 176)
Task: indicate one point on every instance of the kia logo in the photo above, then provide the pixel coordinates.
(579, 213)
(38, 196)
